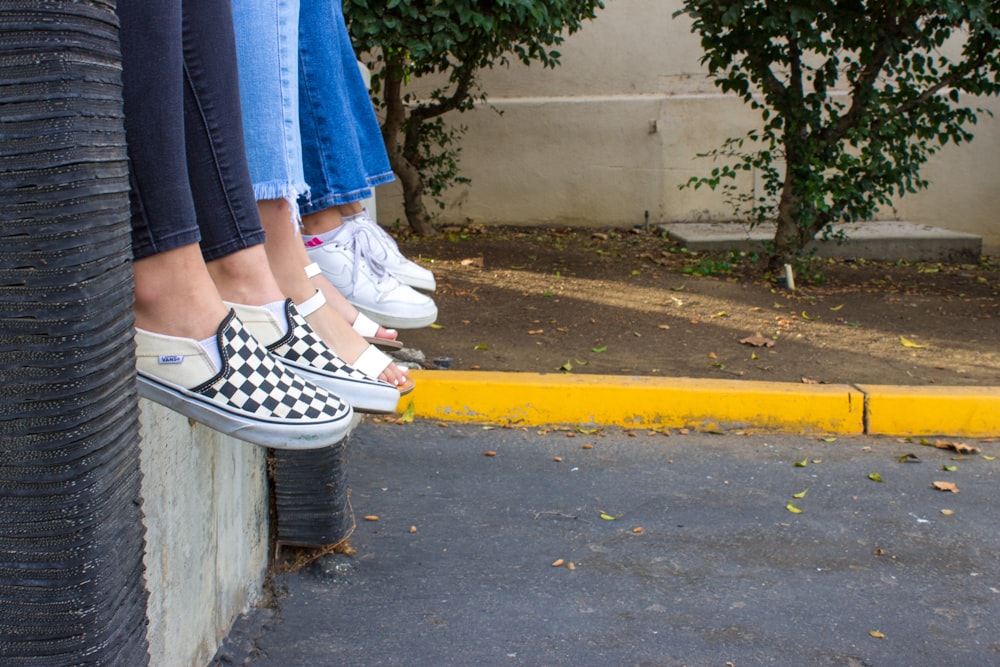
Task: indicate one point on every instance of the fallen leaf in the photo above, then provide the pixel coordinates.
(598, 350)
(806, 380)
(600, 236)
(371, 517)
(959, 447)
(571, 565)
(876, 634)
(806, 317)
(757, 341)
(875, 477)
(607, 517)
(828, 438)
(662, 326)
(793, 509)
(836, 308)
(558, 562)
(948, 468)
(909, 343)
(435, 325)
(637, 529)
(946, 486)
(408, 413)
(489, 453)
(481, 347)
(800, 495)
(535, 332)
(557, 459)
(721, 313)
(473, 261)
(987, 457)
(586, 447)
(947, 512)
(567, 367)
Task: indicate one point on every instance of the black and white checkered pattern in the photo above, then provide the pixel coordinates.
(301, 346)
(253, 381)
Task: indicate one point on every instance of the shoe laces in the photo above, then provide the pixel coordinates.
(383, 238)
(361, 245)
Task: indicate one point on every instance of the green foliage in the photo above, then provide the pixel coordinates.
(853, 99)
(452, 40)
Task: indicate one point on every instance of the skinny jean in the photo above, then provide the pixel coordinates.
(312, 135)
(187, 162)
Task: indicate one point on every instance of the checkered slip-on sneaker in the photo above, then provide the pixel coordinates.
(253, 398)
(302, 351)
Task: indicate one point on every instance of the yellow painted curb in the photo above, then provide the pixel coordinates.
(532, 399)
(961, 411)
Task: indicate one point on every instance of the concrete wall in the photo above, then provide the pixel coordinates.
(615, 129)
(206, 508)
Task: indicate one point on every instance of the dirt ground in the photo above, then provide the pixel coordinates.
(630, 302)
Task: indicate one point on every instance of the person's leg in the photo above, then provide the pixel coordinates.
(192, 354)
(173, 292)
(267, 44)
(344, 158)
(343, 153)
(287, 258)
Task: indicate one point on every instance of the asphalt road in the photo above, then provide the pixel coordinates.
(682, 547)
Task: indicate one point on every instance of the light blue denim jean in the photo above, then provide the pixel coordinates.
(310, 128)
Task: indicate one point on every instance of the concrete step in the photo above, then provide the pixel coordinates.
(885, 240)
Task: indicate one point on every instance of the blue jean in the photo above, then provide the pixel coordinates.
(310, 127)
(187, 164)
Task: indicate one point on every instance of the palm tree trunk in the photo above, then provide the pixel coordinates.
(71, 533)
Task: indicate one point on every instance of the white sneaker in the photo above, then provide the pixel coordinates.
(370, 288)
(379, 247)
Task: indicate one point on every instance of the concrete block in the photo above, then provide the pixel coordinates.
(205, 501)
(882, 240)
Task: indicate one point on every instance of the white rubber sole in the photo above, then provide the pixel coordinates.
(390, 321)
(369, 396)
(274, 434)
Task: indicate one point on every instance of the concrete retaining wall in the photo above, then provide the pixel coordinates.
(615, 129)
(206, 511)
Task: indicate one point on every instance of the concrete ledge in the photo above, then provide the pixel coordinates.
(534, 399)
(885, 240)
(205, 502)
(530, 398)
(922, 411)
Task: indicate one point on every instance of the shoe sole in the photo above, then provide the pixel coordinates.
(364, 396)
(394, 322)
(272, 434)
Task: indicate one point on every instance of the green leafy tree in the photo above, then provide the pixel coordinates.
(853, 98)
(453, 40)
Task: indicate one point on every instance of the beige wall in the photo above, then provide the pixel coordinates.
(614, 130)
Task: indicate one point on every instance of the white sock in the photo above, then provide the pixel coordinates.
(352, 218)
(211, 346)
(325, 237)
(277, 309)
